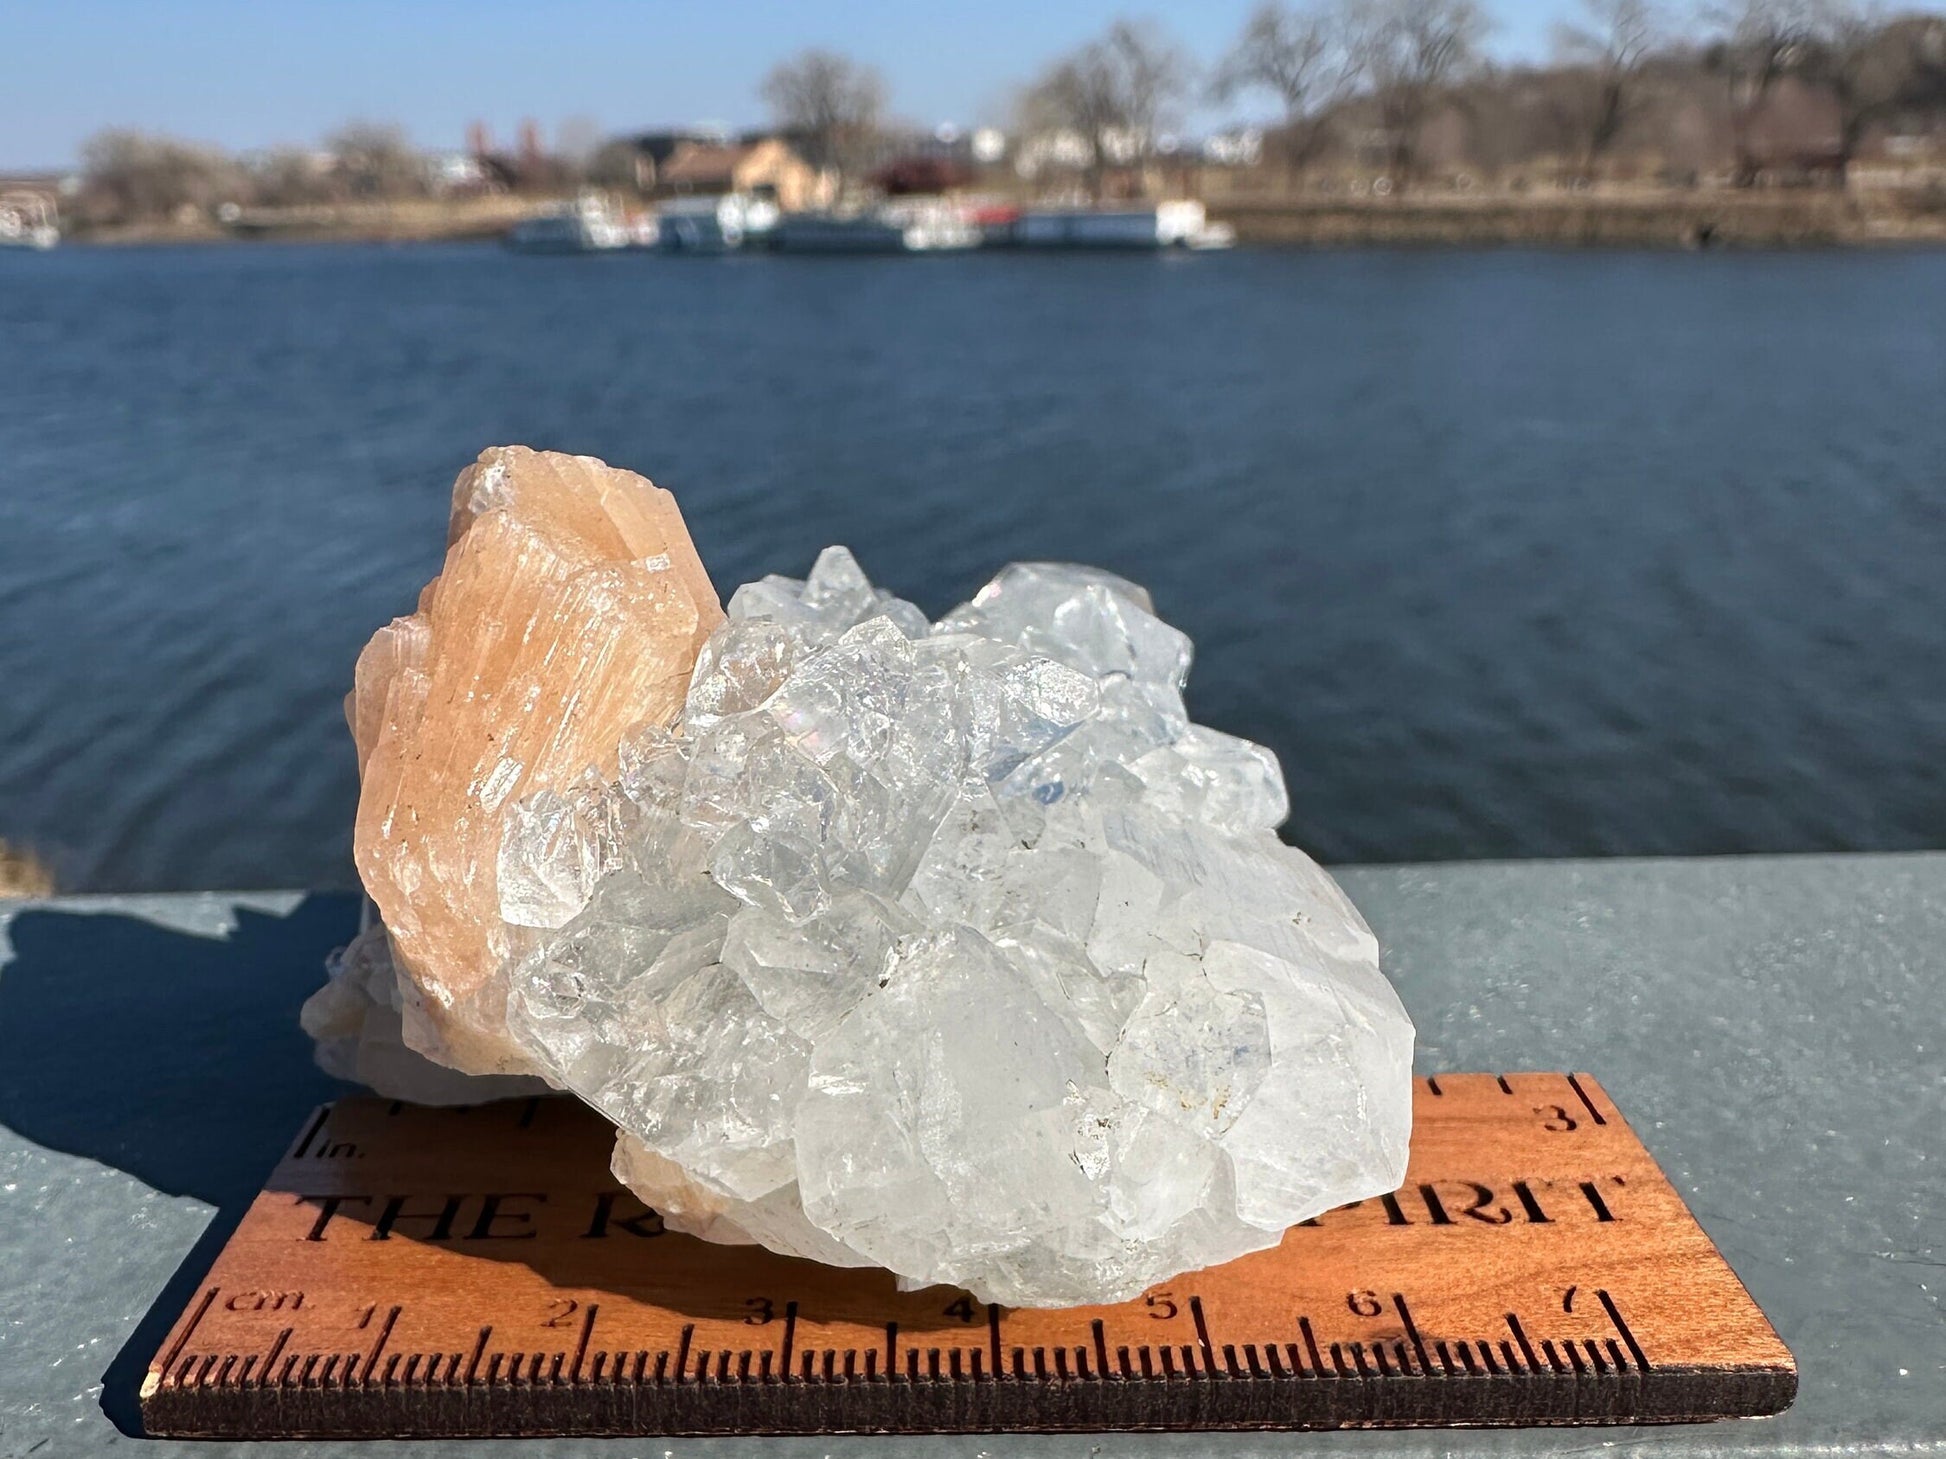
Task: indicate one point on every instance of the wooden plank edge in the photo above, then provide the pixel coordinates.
(964, 1405)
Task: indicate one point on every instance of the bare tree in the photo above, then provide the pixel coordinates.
(130, 176)
(832, 105)
(1408, 54)
(377, 160)
(1609, 51)
(1758, 44)
(1925, 40)
(1851, 52)
(1116, 93)
(1149, 73)
(285, 176)
(1071, 99)
(1299, 55)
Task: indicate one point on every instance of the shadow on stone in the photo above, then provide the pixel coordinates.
(186, 1069)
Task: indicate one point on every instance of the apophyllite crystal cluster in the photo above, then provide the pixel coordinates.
(953, 948)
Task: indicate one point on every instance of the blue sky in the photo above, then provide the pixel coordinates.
(254, 72)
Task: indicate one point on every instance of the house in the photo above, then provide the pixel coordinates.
(464, 174)
(674, 164)
(768, 166)
(651, 151)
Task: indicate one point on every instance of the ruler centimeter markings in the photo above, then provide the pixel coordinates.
(426, 1272)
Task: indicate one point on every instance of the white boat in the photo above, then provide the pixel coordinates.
(587, 225)
(714, 224)
(643, 231)
(1179, 224)
(906, 226)
(933, 226)
(28, 220)
(1212, 238)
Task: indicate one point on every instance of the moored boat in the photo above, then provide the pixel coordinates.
(714, 224)
(28, 220)
(1182, 223)
(908, 226)
(587, 225)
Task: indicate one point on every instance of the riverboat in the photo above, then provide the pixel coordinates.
(721, 223)
(905, 226)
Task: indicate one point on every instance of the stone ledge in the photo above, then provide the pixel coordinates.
(1773, 1027)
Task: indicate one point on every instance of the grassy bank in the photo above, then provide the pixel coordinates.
(1796, 219)
(417, 220)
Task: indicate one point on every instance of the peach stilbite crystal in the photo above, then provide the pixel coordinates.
(571, 607)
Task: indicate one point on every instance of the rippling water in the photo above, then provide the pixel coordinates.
(1505, 554)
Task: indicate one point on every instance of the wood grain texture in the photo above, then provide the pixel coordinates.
(416, 1272)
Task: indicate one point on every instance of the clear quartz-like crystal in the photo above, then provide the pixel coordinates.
(954, 948)
(958, 950)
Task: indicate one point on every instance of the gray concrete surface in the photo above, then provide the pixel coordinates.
(1773, 1027)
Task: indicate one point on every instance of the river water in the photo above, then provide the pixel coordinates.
(1506, 554)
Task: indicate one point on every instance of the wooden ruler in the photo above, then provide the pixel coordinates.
(429, 1272)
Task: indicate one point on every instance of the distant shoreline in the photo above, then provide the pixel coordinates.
(1689, 219)
(1804, 218)
(411, 221)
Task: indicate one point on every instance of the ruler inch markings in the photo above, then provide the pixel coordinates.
(1523, 1272)
(581, 1345)
(378, 1345)
(1574, 1083)
(196, 1316)
(1615, 1316)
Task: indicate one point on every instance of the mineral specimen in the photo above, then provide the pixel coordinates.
(954, 948)
(570, 607)
(957, 949)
